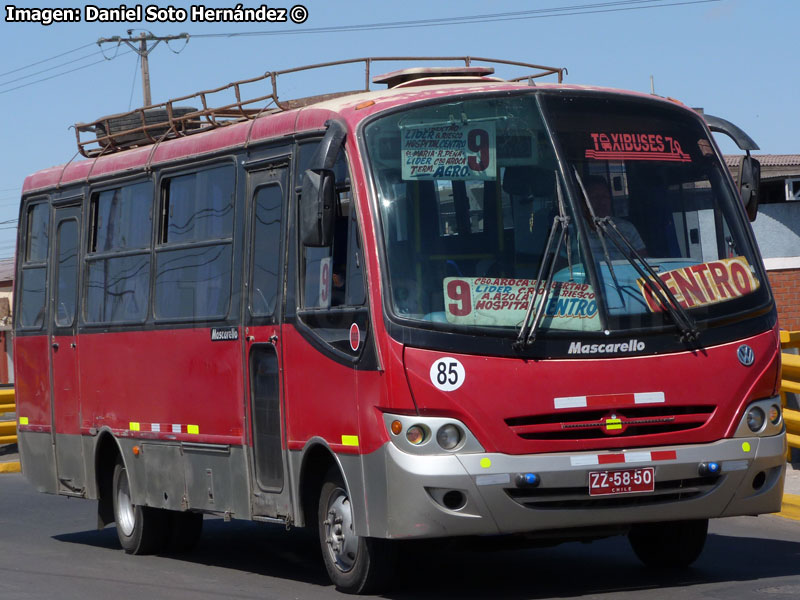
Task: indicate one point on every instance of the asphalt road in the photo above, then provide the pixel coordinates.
(50, 549)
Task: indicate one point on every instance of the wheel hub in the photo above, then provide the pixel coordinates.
(125, 517)
(339, 536)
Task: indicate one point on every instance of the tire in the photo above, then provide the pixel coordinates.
(669, 545)
(355, 565)
(185, 529)
(140, 529)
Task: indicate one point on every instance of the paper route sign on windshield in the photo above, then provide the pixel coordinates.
(503, 302)
(449, 151)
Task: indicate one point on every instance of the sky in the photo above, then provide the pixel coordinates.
(731, 57)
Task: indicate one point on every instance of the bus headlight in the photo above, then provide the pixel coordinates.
(755, 419)
(415, 434)
(774, 414)
(763, 418)
(448, 436)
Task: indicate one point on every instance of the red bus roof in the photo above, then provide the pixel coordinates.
(353, 108)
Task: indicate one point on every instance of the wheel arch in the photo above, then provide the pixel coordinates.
(317, 459)
(106, 454)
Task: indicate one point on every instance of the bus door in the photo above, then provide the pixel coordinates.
(65, 406)
(267, 193)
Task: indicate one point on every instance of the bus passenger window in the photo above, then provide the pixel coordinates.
(118, 258)
(266, 250)
(193, 257)
(33, 285)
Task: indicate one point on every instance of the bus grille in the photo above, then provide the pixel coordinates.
(579, 498)
(625, 422)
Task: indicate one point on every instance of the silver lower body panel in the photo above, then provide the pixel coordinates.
(416, 494)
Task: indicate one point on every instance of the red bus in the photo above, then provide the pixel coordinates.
(457, 306)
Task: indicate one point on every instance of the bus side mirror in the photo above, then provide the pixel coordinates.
(318, 195)
(750, 185)
(317, 207)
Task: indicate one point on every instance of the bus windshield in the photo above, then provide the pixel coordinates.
(470, 191)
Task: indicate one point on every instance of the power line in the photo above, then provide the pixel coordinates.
(133, 83)
(61, 74)
(565, 11)
(44, 60)
(69, 62)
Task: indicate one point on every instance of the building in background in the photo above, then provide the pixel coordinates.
(777, 230)
(6, 299)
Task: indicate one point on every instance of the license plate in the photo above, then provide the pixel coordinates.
(627, 481)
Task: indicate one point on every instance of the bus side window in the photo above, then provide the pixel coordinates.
(33, 285)
(118, 257)
(194, 251)
(266, 250)
(333, 298)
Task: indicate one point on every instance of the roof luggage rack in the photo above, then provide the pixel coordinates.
(194, 113)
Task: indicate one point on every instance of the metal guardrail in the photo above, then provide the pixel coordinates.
(8, 429)
(790, 383)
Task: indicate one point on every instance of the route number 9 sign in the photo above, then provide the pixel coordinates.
(449, 151)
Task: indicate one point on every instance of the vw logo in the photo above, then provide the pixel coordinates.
(745, 355)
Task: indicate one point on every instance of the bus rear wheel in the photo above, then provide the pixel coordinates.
(140, 529)
(355, 564)
(669, 545)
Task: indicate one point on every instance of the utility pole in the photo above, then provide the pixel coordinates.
(143, 51)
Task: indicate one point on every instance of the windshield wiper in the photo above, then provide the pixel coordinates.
(665, 297)
(527, 331)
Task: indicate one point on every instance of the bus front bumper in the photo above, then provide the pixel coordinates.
(479, 494)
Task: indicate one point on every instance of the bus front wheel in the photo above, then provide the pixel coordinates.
(355, 564)
(669, 545)
(140, 529)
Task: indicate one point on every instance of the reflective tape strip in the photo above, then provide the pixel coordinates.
(349, 440)
(23, 420)
(622, 457)
(609, 400)
(571, 402)
(584, 461)
(165, 427)
(649, 398)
